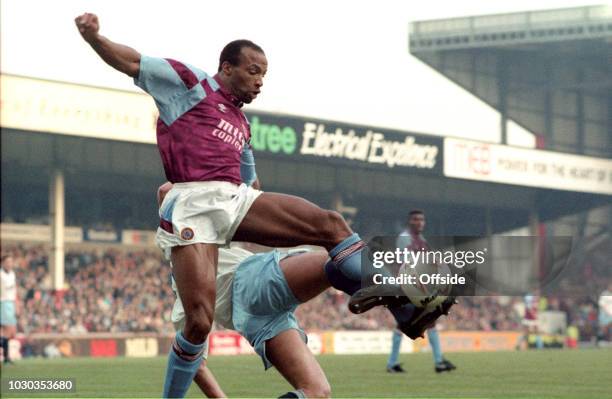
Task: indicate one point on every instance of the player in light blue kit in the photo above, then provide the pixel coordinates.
(257, 295)
(412, 238)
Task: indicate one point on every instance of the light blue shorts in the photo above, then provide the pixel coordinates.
(262, 302)
(604, 319)
(7, 313)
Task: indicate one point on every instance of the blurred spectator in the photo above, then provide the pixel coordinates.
(51, 351)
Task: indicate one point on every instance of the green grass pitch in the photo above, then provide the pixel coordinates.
(533, 374)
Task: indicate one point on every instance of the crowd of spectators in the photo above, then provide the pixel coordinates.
(106, 291)
(114, 290)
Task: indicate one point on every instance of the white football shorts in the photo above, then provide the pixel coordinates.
(203, 212)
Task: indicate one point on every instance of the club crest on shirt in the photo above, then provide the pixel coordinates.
(187, 233)
(222, 107)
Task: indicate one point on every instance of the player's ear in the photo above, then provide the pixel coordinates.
(227, 67)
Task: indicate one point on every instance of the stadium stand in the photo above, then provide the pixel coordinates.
(114, 290)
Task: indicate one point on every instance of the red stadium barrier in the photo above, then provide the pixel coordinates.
(103, 348)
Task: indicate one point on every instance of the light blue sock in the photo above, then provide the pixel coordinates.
(396, 342)
(434, 342)
(183, 362)
(539, 342)
(347, 256)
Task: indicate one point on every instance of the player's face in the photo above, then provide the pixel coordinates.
(246, 79)
(8, 263)
(417, 223)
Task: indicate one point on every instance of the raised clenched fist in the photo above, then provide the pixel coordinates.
(88, 25)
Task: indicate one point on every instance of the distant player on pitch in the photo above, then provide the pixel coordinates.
(605, 314)
(412, 238)
(530, 322)
(8, 305)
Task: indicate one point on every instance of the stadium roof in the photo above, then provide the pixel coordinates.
(547, 71)
(513, 29)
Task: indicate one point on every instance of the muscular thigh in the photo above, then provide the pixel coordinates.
(194, 268)
(281, 220)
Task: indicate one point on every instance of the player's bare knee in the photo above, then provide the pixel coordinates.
(325, 391)
(334, 228)
(199, 328)
(198, 322)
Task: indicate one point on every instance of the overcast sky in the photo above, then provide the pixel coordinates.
(339, 60)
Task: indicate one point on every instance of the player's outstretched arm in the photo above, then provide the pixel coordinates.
(123, 58)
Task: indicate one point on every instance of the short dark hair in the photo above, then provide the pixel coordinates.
(415, 212)
(231, 51)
